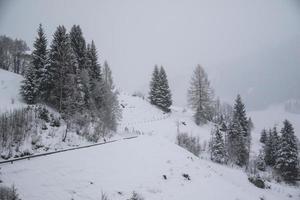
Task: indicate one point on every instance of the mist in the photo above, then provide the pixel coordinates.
(251, 48)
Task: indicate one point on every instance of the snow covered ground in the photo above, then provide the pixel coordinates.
(133, 165)
(9, 91)
(139, 164)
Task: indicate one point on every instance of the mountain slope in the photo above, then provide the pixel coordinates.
(9, 90)
(133, 165)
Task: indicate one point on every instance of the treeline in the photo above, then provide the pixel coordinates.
(280, 151)
(14, 55)
(69, 78)
(231, 142)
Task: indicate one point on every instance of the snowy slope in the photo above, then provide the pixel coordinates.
(9, 91)
(140, 116)
(133, 165)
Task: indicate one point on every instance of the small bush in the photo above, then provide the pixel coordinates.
(257, 181)
(190, 143)
(43, 113)
(7, 193)
(136, 196)
(104, 196)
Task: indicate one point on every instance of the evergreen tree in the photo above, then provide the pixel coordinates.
(62, 77)
(239, 115)
(154, 86)
(236, 147)
(263, 136)
(112, 111)
(164, 100)
(271, 147)
(33, 85)
(107, 75)
(28, 87)
(200, 96)
(78, 46)
(287, 154)
(79, 49)
(39, 61)
(217, 146)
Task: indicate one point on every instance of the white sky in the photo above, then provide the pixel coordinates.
(250, 47)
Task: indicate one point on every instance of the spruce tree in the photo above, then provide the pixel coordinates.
(236, 147)
(200, 96)
(63, 67)
(164, 100)
(154, 86)
(287, 160)
(217, 146)
(239, 114)
(271, 147)
(34, 85)
(39, 62)
(79, 49)
(263, 136)
(28, 87)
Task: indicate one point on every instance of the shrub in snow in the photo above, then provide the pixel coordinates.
(136, 196)
(104, 196)
(43, 113)
(7, 193)
(190, 143)
(257, 181)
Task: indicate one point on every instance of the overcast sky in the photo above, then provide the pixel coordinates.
(248, 47)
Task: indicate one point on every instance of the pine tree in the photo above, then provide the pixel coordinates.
(287, 154)
(263, 136)
(236, 147)
(164, 99)
(33, 85)
(154, 86)
(107, 75)
(28, 87)
(239, 114)
(39, 62)
(217, 146)
(271, 147)
(78, 45)
(62, 76)
(200, 96)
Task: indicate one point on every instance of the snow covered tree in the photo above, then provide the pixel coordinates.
(263, 136)
(107, 76)
(112, 111)
(29, 90)
(39, 61)
(236, 147)
(217, 146)
(287, 154)
(63, 67)
(239, 116)
(33, 85)
(79, 49)
(200, 96)
(165, 97)
(154, 86)
(271, 147)
(160, 94)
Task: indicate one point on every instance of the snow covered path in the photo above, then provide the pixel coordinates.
(132, 165)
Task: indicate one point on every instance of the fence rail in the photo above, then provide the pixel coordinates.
(63, 150)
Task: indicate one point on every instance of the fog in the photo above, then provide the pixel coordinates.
(247, 47)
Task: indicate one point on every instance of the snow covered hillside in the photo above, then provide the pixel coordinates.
(9, 91)
(138, 164)
(134, 165)
(142, 117)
